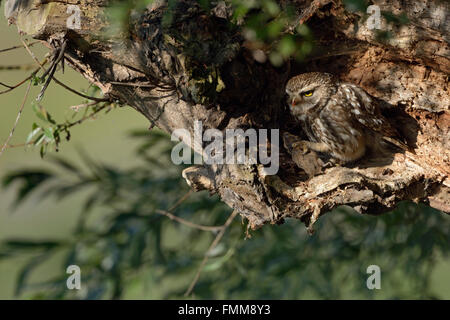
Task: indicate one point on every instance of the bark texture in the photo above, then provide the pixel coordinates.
(199, 67)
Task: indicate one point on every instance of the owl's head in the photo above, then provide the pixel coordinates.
(308, 91)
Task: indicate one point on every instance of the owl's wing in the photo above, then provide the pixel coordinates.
(365, 111)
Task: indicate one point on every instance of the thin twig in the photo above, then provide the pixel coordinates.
(5, 85)
(51, 71)
(106, 99)
(17, 67)
(211, 247)
(26, 46)
(17, 120)
(56, 59)
(180, 201)
(90, 116)
(184, 221)
(11, 146)
(17, 47)
(133, 84)
(24, 80)
(59, 82)
(306, 14)
(83, 105)
(187, 222)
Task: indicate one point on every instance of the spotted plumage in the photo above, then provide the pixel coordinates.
(340, 119)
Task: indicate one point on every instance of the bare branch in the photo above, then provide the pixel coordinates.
(17, 67)
(184, 221)
(24, 80)
(180, 201)
(51, 71)
(18, 47)
(211, 247)
(17, 120)
(41, 66)
(187, 222)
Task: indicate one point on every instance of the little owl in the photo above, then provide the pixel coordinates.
(340, 119)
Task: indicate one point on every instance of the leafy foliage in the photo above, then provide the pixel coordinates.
(131, 248)
(268, 26)
(47, 131)
(273, 28)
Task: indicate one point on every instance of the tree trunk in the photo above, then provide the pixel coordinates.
(200, 67)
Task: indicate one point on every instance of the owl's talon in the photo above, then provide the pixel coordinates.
(331, 163)
(327, 165)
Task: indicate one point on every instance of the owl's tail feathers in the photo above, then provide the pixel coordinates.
(399, 144)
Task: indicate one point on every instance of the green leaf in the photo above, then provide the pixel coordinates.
(304, 30)
(35, 130)
(41, 113)
(219, 262)
(400, 19)
(48, 132)
(39, 140)
(356, 5)
(30, 181)
(274, 28)
(37, 80)
(271, 7)
(43, 150)
(30, 245)
(27, 270)
(276, 58)
(66, 165)
(306, 48)
(287, 46)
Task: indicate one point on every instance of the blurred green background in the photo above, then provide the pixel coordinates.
(126, 250)
(105, 138)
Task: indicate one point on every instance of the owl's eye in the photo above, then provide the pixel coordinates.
(307, 93)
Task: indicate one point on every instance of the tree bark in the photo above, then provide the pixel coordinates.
(200, 67)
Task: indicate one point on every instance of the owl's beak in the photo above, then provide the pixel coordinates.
(294, 102)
